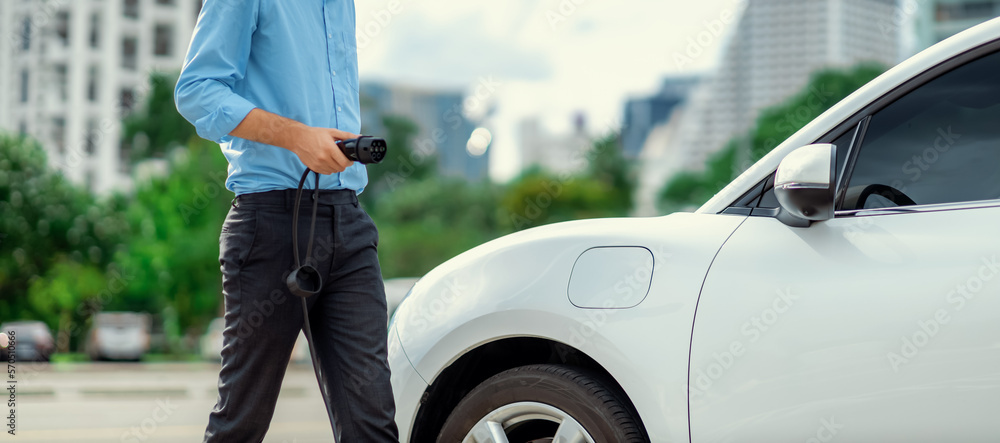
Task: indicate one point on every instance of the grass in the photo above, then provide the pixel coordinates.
(80, 357)
(69, 357)
(160, 358)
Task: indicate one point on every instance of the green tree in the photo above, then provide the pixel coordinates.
(404, 164)
(603, 189)
(45, 220)
(60, 294)
(171, 262)
(606, 165)
(172, 259)
(429, 221)
(156, 128)
(689, 189)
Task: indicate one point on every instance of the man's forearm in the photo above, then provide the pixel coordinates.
(316, 147)
(272, 129)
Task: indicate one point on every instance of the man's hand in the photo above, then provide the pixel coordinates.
(316, 147)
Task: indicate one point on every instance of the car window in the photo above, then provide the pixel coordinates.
(937, 144)
(768, 200)
(843, 144)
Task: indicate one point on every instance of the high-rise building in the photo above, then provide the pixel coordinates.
(645, 113)
(775, 47)
(559, 153)
(937, 20)
(71, 69)
(442, 127)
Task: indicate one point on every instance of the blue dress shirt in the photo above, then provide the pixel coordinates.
(294, 58)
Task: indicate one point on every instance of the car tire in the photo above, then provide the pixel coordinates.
(539, 402)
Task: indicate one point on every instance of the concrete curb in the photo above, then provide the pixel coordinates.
(105, 381)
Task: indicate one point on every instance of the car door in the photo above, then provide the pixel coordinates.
(880, 324)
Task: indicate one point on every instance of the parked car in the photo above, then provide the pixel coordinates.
(212, 342)
(32, 341)
(844, 286)
(119, 336)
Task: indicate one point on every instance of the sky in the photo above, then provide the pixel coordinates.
(545, 59)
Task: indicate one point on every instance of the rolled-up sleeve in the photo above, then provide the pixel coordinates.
(216, 60)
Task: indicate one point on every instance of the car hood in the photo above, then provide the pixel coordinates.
(592, 232)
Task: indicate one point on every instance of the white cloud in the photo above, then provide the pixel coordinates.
(554, 57)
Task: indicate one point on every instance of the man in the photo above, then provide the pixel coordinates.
(275, 82)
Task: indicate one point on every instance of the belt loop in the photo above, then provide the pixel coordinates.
(354, 196)
(235, 202)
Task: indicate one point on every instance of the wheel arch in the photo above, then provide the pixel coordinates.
(457, 379)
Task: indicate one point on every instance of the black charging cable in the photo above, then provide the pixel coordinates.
(305, 280)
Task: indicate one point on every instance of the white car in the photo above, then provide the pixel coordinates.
(212, 343)
(846, 286)
(119, 336)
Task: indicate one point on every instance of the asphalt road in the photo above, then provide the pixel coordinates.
(149, 403)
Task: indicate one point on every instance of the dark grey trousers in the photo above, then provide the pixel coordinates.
(263, 319)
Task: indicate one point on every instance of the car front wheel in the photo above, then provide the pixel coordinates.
(542, 403)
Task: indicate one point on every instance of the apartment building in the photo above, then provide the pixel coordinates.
(71, 69)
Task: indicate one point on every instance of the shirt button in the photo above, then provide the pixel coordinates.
(338, 108)
(334, 72)
(329, 36)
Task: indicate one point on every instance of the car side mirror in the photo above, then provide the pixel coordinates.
(805, 184)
